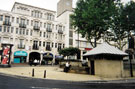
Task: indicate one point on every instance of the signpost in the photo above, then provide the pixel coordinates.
(5, 55)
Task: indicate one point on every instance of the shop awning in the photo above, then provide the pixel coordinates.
(58, 57)
(20, 53)
(48, 55)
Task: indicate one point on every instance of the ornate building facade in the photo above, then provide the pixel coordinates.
(38, 33)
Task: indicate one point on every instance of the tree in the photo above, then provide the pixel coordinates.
(91, 18)
(116, 33)
(123, 24)
(71, 51)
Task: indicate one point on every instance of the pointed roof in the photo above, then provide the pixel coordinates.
(105, 49)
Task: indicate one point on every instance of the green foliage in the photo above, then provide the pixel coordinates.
(91, 18)
(69, 51)
(123, 24)
(128, 16)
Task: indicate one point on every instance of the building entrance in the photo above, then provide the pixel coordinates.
(92, 67)
(34, 56)
(20, 57)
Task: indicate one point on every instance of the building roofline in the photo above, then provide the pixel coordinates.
(31, 6)
(9, 12)
(64, 12)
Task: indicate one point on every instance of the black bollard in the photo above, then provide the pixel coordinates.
(45, 74)
(33, 72)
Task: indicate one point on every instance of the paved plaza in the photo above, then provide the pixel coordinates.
(52, 72)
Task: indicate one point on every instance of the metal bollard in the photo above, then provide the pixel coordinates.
(33, 72)
(45, 74)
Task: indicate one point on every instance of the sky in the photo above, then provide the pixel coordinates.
(47, 4)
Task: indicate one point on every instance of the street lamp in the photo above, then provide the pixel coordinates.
(130, 50)
(41, 56)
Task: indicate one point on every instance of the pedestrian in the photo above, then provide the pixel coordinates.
(35, 62)
(30, 62)
(67, 67)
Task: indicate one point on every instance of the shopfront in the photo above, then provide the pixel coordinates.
(20, 57)
(47, 58)
(58, 58)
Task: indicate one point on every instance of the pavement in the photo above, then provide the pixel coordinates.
(52, 72)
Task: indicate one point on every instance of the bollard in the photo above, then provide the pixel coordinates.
(45, 74)
(33, 72)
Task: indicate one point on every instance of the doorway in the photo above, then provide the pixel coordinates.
(92, 67)
(34, 56)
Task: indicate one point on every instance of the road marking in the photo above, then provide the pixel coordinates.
(43, 88)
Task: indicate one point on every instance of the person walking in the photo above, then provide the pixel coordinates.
(67, 67)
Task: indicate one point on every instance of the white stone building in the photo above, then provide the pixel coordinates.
(38, 33)
(64, 10)
(33, 31)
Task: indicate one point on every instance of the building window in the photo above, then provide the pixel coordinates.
(56, 27)
(4, 28)
(27, 33)
(48, 26)
(59, 46)
(41, 15)
(20, 32)
(44, 34)
(50, 16)
(12, 29)
(31, 32)
(32, 13)
(56, 36)
(17, 20)
(70, 41)
(43, 44)
(70, 33)
(0, 28)
(23, 31)
(48, 46)
(7, 18)
(22, 21)
(21, 43)
(40, 24)
(31, 22)
(40, 34)
(8, 29)
(63, 45)
(39, 43)
(44, 25)
(52, 45)
(1, 17)
(27, 22)
(0, 39)
(36, 23)
(12, 19)
(16, 30)
(55, 45)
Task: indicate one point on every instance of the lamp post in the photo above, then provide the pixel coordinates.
(130, 50)
(41, 56)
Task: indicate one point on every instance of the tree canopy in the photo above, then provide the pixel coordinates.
(69, 51)
(107, 19)
(91, 18)
(123, 24)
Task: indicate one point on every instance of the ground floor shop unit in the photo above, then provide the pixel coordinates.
(20, 57)
(30, 56)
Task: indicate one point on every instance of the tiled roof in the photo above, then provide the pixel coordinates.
(105, 49)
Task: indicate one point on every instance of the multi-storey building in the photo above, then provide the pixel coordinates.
(33, 31)
(38, 33)
(73, 39)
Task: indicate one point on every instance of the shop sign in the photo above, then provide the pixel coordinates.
(20, 53)
(49, 55)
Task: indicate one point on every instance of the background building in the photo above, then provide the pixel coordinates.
(73, 39)
(33, 31)
(38, 33)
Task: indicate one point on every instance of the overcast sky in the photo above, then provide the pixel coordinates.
(47, 4)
